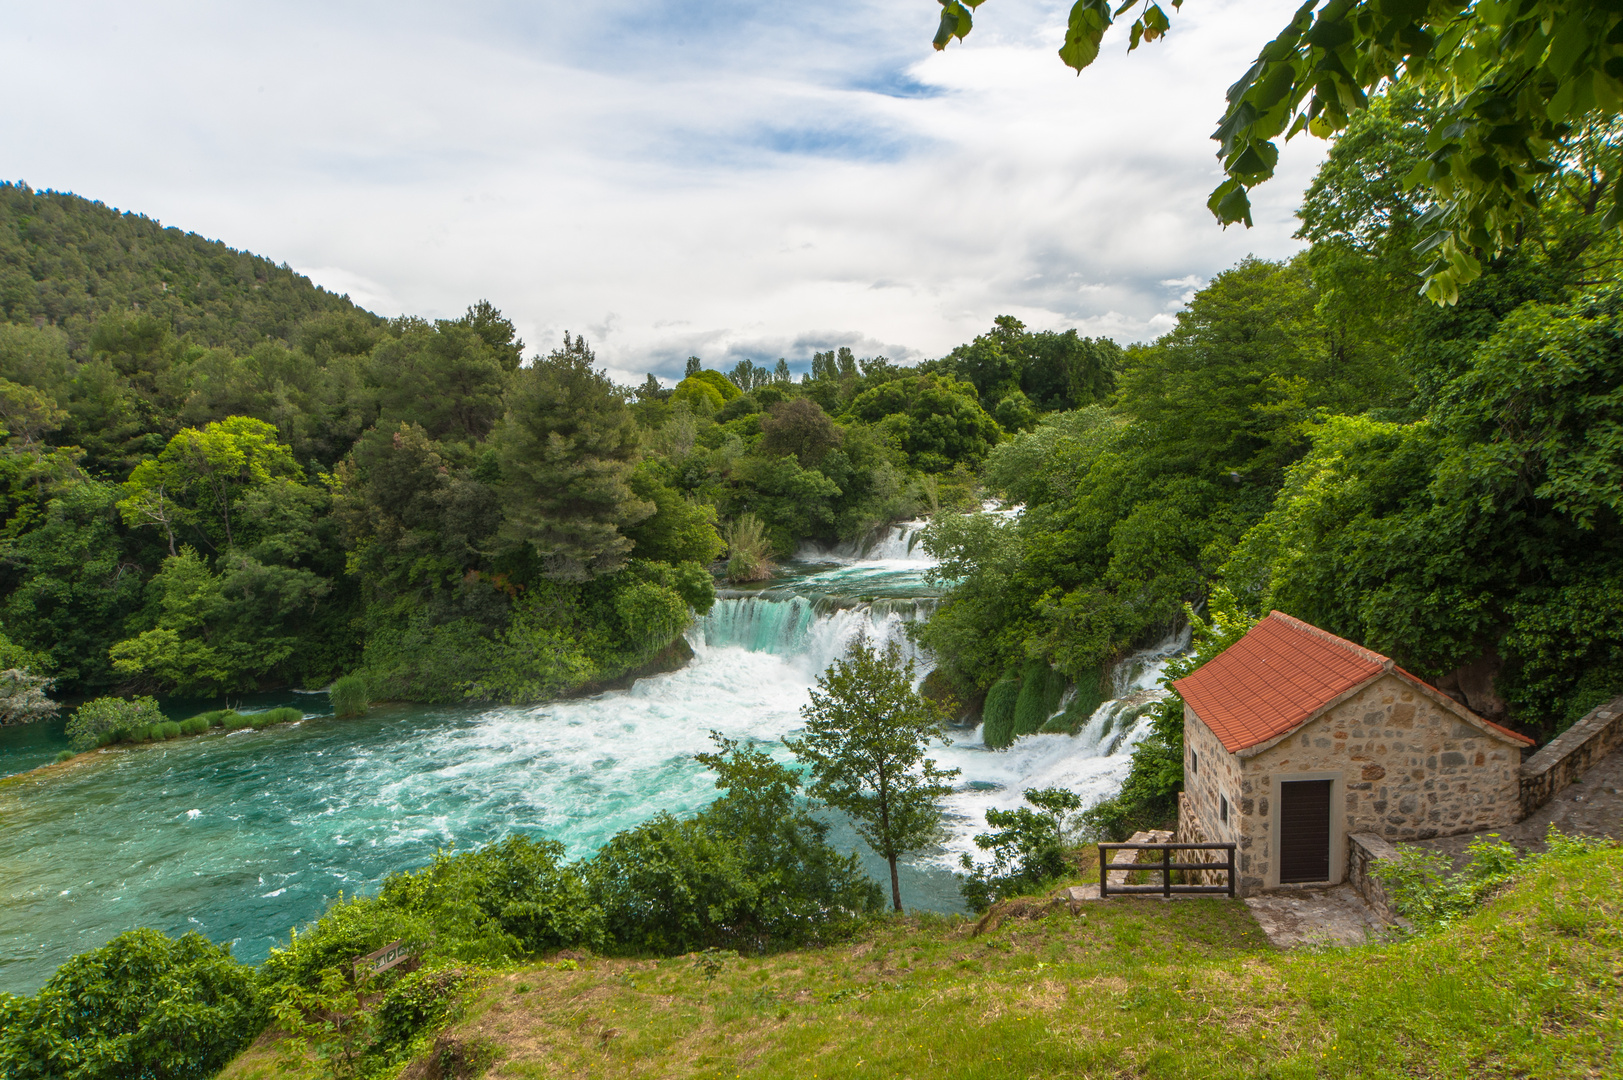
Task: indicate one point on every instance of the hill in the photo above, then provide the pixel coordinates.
(1128, 988)
(67, 261)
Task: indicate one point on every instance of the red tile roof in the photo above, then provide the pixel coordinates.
(1281, 673)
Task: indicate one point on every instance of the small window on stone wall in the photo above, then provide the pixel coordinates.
(1194, 761)
(1222, 808)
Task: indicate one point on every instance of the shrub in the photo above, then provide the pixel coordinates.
(1027, 848)
(350, 927)
(997, 715)
(66, 755)
(420, 1002)
(272, 717)
(109, 719)
(752, 869)
(348, 697)
(1041, 688)
(22, 697)
(143, 1005)
(235, 721)
(748, 550)
(507, 899)
(166, 730)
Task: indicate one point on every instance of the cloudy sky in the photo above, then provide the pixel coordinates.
(719, 178)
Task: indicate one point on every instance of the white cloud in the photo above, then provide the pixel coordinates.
(733, 181)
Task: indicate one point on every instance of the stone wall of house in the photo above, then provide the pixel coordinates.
(1217, 778)
(1571, 754)
(1192, 830)
(1409, 769)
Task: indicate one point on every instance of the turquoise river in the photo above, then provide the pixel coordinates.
(243, 836)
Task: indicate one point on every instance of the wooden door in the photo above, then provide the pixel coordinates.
(1304, 830)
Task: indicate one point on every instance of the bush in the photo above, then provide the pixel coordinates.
(235, 721)
(195, 725)
(22, 697)
(507, 899)
(166, 730)
(1424, 891)
(1027, 849)
(348, 696)
(110, 719)
(1041, 688)
(143, 1005)
(66, 755)
(272, 717)
(997, 715)
(349, 928)
(420, 1002)
(748, 550)
(750, 871)
(215, 718)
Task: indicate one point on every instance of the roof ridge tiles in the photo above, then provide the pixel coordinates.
(1351, 646)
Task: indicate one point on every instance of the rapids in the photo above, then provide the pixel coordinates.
(244, 836)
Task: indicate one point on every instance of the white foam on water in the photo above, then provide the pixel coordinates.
(312, 809)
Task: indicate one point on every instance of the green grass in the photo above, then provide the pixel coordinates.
(1130, 988)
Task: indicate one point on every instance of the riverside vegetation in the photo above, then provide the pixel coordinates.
(218, 477)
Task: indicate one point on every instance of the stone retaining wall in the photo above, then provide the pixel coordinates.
(1571, 754)
(1191, 831)
(1364, 850)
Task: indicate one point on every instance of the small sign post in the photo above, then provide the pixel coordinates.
(385, 958)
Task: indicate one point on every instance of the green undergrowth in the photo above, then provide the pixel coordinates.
(1125, 988)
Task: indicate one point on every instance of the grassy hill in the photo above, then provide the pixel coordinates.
(1528, 987)
(67, 261)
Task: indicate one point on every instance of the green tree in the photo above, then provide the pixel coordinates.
(217, 631)
(202, 476)
(467, 373)
(867, 730)
(935, 419)
(1515, 86)
(74, 588)
(1148, 798)
(567, 447)
(801, 428)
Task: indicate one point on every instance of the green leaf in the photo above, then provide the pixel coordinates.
(1232, 206)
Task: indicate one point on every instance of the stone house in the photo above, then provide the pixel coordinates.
(1295, 739)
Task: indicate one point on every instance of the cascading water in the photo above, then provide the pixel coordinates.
(243, 836)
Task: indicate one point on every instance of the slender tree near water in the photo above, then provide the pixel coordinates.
(867, 730)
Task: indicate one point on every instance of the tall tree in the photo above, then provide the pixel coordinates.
(867, 730)
(567, 447)
(201, 476)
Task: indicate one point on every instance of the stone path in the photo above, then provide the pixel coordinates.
(1591, 806)
(1336, 916)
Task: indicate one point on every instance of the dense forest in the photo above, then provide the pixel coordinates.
(219, 477)
(1442, 483)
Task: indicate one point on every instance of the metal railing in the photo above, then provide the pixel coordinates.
(1166, 866)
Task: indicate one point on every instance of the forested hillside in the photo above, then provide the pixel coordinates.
(1441, 483)
(218, 477)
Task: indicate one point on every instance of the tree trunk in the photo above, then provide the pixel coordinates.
(895, 886)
